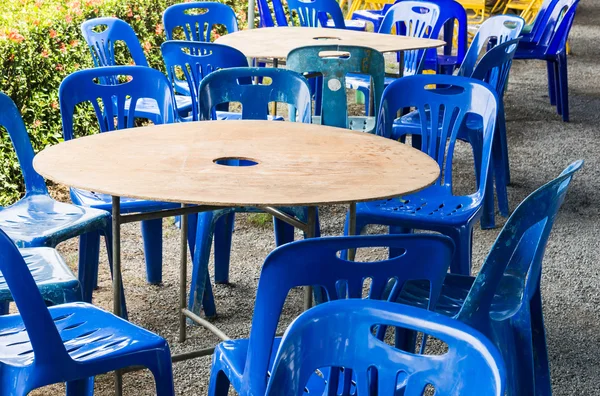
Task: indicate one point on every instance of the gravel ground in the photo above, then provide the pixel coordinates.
(541, 145)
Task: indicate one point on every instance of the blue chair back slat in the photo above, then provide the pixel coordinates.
(47, 346)
(266, 15)
(494, 66)
(317, 262)
(196, 60)
(442, 111)
(101, 34)
(515, 261)
(451, 11)
(339, 334)
(562, 18)
(314, 13)
(334, 62)
(412, 19)
(10, 119)
(114, 102)
(495, 30)
(198, 26)
(235, 85)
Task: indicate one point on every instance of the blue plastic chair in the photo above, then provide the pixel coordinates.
(53, 277)
(37, 220)
(547, 41)
(436, 208)
(146, 85)
(68, 343)
(493, 68)
(277, 17)
(450, 12)
(197, 20)
(504, 300)
(334, 62)
(339, 334)
(245, 363)
(101, 34)
(412, 19)
(194, 61)
(235, 85)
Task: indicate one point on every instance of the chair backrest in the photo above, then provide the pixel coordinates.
(45, 347)
(197, 20)
(412, 19)
(495, 30)
(115, 104)
(442, 112)
(451, 11)
(266, 15)
(100, 34)
(194, 61)
(333, 62)
(316, 262)
(10, 119)
(235, 85)
(494, 66)
(315, 13)
(556, 25)
(340, 334)
(514, 264)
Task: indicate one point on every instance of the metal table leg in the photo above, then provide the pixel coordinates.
(116, 274)
(183, 276)
(352, 229)
(310, 233)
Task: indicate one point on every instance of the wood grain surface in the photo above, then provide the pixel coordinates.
(297, 164)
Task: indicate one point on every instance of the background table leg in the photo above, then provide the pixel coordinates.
(310, 233)
(183, 276)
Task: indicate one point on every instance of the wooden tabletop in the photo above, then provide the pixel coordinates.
(277, 42)
(297, 164)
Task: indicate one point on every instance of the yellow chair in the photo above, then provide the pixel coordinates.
(528, 8)
(476, 10)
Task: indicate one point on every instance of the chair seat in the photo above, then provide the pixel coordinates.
(358, 81)
(233, 354)
(355, 123)
(51, 275)
(427, 207)
(38, 220)
(454, 293)
(350, 25)
(147, 108)
(88, 333)
(128, 205)
(533, 52)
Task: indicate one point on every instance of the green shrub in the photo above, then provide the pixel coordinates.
(41, 43)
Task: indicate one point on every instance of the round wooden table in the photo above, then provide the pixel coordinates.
(277, 42)
(287, 164)
(296, 164)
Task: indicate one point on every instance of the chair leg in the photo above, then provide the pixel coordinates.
(163, 374)
(551, 82)
(500, 164)
(89, 252)
(4, 307)
(284, 232)
(463, 242)
(223, 234)
(81, 387)
(564, 86)
(557, 87)
(219, 384)
(152, 236)
(200, 277)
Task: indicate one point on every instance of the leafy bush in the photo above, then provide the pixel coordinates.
(41, 43)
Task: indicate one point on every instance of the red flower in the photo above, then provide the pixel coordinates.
(73, 43)
(15, 36)
(44, 54)
(37, 123)
(68, 18)
(63, 47)
(59, 67)
(52, 33)
(159, 29)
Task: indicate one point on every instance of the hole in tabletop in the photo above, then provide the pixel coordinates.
(326, 38)
(235, 161)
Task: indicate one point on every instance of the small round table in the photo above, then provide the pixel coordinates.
(277, 42)
(197, 163)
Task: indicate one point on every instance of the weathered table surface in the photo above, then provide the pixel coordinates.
(277, 42)
(297, 164)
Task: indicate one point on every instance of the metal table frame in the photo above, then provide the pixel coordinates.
(118, 219)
